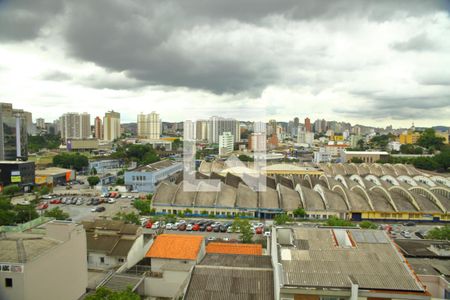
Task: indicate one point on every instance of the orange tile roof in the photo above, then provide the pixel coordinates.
(225, 248)
(175, 246)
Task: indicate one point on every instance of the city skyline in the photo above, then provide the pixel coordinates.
(364, 64)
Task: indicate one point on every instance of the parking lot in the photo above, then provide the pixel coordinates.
(83, 211)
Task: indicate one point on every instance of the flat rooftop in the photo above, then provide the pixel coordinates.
(34, 245)
(156, 166)
(52, 171)
(14, 162)
(334, 258)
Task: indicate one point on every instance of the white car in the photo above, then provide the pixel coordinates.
(189, 227)
(143, 221)
(130, 197)
(225, 239)
(169, 226)
(155, 225)
(111, 200)
(267, 233)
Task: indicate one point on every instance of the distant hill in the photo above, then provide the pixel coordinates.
(441, 128)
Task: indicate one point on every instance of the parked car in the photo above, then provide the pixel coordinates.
(182, 226)
(267, 234)
(217, 228)
(96, 202)
(189, 227)
(259, 230)
(111, 201)
(212, 238)
(223, 228)
(79, 201)
(55, 201)
(98, 209)
(202, 227)
(196, 227)
(406, 234)
(156, 225)
(43, 205)
(149, 224)
(169, 226)
(420, 234)
(47, 197)
(209, 228)
(409, 223)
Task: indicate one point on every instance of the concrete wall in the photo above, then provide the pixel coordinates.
(60, 273)
(436, 285)
(170, 285)
(94, 261)
(157, 263)
(138, 251)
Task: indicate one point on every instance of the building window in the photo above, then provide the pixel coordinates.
(102, 260)
(8, 282)
(121, 260)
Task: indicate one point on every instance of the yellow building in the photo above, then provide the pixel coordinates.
(409, 137)
(338, 138)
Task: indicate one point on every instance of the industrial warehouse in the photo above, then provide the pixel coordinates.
(351, 191)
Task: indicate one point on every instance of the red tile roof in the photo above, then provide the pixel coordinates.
(225, 248)
(175, 246)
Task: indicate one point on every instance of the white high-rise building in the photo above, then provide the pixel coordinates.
(226, 143)
(201, 130)
(149, 126)
(75, 126)
(218, 125)
(305, 137)
(111, 126)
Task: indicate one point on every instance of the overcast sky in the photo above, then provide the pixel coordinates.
(372, 62)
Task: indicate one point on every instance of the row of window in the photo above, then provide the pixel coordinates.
(139, 178)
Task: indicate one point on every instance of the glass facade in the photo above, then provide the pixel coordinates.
(13, 132)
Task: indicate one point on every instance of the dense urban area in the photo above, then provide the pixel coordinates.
(114, 203)
(224, 150)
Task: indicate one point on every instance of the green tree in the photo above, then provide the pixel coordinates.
(143, 206)
(437, 233)
(245, 158)
(130, 218)
(425, 163)
(44, 190)
(93, 180)
(429, 140)
(442, 160)
(368, 225)
(11, 190)
(281, 219)
(93, 171)
(334, 221)
(120, 181)
(7, 215)
(56, 213)
(47, 141)
(177, 144)
(245, 229)
(25, 213)
(300, 212)
(103, 293)
(356, 160)
(71, 161)
(361, 144)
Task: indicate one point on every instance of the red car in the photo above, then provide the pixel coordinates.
(196, 227)
(55, 201)
(209, 229)
(148, 224)
(42, 206)
(259, 230)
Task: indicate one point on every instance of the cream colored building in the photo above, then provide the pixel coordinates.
(75, 126)
(43, 267)
(149, 126)
(111, 126)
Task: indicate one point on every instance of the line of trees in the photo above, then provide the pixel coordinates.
(71, 161)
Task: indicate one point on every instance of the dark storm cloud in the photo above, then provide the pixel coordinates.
(158, 43)
(23, 19)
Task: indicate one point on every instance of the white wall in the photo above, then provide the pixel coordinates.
(171, 285)
(95, 263)
(138, 251)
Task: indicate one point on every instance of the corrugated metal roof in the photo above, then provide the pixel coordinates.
(373, 262)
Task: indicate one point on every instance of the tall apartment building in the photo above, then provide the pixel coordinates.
(201, 130)
(226, 143)
(308, 125)
(111, 126)
(149, 126)
(217, 126)
(305, 137)
(40, 123)
(75, 126)
(13, 133)
(272, 127)
(98, 130)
